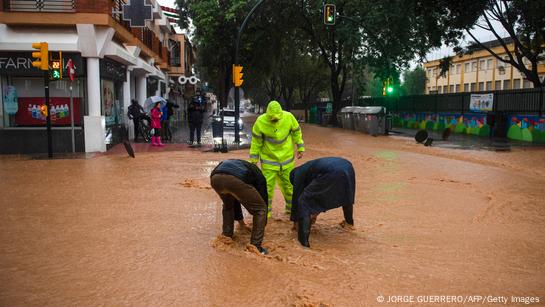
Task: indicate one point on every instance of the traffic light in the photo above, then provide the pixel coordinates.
(329, 14)
(237, 75)
(43, 110)
(387, 87)
(42, 56)
(55, 73)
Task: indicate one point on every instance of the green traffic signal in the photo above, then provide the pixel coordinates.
(329, 14)
(390, 89)
(55, 75)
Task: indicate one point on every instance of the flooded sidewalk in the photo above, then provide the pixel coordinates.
(111, 230)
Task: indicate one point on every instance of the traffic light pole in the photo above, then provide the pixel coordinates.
(48, 117)
(237, 95)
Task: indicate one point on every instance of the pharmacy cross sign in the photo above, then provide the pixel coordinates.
(136, 12)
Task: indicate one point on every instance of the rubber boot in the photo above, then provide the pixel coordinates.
(304, 230)
(159, 141)
(153, 142)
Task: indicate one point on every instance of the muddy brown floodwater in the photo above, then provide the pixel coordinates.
(111, 230)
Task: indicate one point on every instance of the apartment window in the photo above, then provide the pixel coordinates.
(481, 86)
(458, 67)
(482, 65)
(429, 72)
(466, 67)
(474, 66)
(473, 86)
(516, 84)
(506, 64)
(445, 88)
(466, 87)
(451, 89)
(457, 88)
(439, 89)
(451, 70)
(498, 85)
(488, 85)
(506, 84)
(489, 64)
(527, 84)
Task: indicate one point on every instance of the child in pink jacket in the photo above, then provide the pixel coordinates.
(156, 124)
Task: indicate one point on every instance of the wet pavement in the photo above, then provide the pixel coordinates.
(112, 230)
(465, 141)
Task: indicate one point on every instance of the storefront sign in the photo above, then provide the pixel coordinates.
(29, 111)
(20, 64)
(112, 70)
(481, 102)
(10, 100)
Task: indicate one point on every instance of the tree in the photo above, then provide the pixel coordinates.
(414, 81)
(524, 22)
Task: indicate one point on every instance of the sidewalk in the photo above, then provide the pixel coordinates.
(180, 138)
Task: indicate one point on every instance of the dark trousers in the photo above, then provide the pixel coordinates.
(192, 129)
(231, 189)
(136, 122)
(165, 129)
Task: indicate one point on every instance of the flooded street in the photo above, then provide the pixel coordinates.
(111, 230)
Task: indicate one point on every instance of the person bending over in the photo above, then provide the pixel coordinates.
(241, 182)
(320, 185)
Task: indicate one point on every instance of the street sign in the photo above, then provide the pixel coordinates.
(137, 12)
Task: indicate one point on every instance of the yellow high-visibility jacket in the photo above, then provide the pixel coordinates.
(273, 142)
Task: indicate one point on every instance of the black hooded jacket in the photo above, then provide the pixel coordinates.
(248, 172)
(327, 183)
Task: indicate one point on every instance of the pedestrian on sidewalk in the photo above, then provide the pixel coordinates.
(240, 182)
(320, 185)
(273, 137)
(156, 124)
(195, 119)
(168, 111)
(136, 113)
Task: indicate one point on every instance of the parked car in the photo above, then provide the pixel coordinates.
(229, 119)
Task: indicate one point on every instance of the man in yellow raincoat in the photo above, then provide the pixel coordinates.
(274, 136)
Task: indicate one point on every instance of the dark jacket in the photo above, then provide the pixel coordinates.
(322, 184)
(195, 114)
(248, 172)
(135, 111)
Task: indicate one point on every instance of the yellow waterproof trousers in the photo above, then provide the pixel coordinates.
(283, 177)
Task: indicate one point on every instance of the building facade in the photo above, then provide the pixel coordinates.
(113, 61)
(475, 72)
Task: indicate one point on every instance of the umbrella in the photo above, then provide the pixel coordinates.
(149, 103)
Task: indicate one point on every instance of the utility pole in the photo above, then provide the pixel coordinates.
(237, 96)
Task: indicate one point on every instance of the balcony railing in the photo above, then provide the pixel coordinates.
(40, 5)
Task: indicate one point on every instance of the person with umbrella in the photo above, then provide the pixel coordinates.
(156, 124)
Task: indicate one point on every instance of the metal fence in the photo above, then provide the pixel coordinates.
(522, 101)
(40, 5)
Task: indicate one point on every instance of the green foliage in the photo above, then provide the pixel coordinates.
(414, 81)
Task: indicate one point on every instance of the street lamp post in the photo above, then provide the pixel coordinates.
(237, 97)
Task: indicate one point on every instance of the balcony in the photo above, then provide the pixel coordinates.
(40, 5)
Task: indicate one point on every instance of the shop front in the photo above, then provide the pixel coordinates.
(22, 123)
(112, 77)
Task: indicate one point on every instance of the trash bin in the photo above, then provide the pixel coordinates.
(217, 134)
(326, 118)
(347, 117)
(359, 119)
(217, 127)
(373, 120)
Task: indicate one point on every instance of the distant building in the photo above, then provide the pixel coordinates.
(478, 71)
